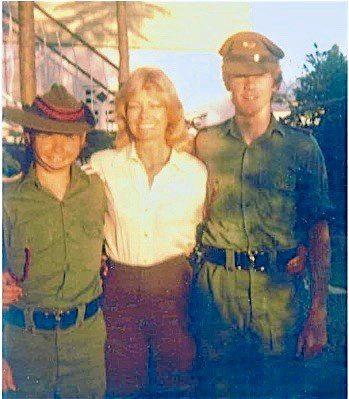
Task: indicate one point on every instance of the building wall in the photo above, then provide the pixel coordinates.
(52, 68)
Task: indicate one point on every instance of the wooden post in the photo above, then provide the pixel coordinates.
(27, 51)
(124, 58)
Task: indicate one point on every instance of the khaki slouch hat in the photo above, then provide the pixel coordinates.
(249, 53)
(56, 111)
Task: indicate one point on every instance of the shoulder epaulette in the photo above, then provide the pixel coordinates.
(304, 130)
(220, 124)
(215, 126)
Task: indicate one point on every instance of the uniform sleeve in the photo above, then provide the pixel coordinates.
(4, 252)
(313, 200)
(6, 238)
(203, 191)
(200, 144)
(101, 188)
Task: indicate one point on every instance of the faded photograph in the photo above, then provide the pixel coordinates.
(174, 203)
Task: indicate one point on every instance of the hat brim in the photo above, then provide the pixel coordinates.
(33, 121)
(236, 68)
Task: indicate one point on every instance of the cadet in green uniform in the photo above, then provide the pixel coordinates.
(267, 198)
(53, 232)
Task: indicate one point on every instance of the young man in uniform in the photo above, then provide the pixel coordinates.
(53, 233)
(267, 198)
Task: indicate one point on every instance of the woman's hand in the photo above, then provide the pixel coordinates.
(297, 264)
(87, 168)
(104, 266)
(11, 291)
(8, 383)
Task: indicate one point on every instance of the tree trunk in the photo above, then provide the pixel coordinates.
(124, 67)
(27, 51)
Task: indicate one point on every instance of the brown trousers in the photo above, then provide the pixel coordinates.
(145, 311)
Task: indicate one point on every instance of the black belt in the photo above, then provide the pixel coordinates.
(49, 320)
(257, 260)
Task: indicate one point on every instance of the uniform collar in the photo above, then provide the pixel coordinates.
(31, 178)
(274, 127)
(175, 159)
(78, 177)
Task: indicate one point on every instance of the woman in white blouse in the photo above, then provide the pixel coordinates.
(156, 197)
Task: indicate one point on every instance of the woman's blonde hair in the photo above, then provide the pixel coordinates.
(152, 79)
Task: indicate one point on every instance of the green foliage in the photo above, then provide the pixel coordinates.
(323, 85)
(325, 79)
(321, 103)
(13, 159)
(10, 166)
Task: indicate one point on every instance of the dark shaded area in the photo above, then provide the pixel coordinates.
(97, 140)
(321, 105)
(332, 138)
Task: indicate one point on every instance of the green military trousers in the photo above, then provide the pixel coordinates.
(265, 308)
(247, 324)
(68, 363)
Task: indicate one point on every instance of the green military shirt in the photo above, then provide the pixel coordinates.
(64, 240)
(262, 196)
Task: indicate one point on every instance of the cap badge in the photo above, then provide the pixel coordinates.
(256, 57)
(249, 44)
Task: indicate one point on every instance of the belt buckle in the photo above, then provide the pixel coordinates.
(252, 257)
(58, 317)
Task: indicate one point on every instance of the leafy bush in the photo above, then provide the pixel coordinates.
(321, 104)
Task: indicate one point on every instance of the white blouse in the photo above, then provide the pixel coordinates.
(146, 225)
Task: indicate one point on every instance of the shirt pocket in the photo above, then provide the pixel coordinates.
(281, 180)
(31, 245)
(92, 229)
(90, 243)
(287, 180)
(34, 236)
